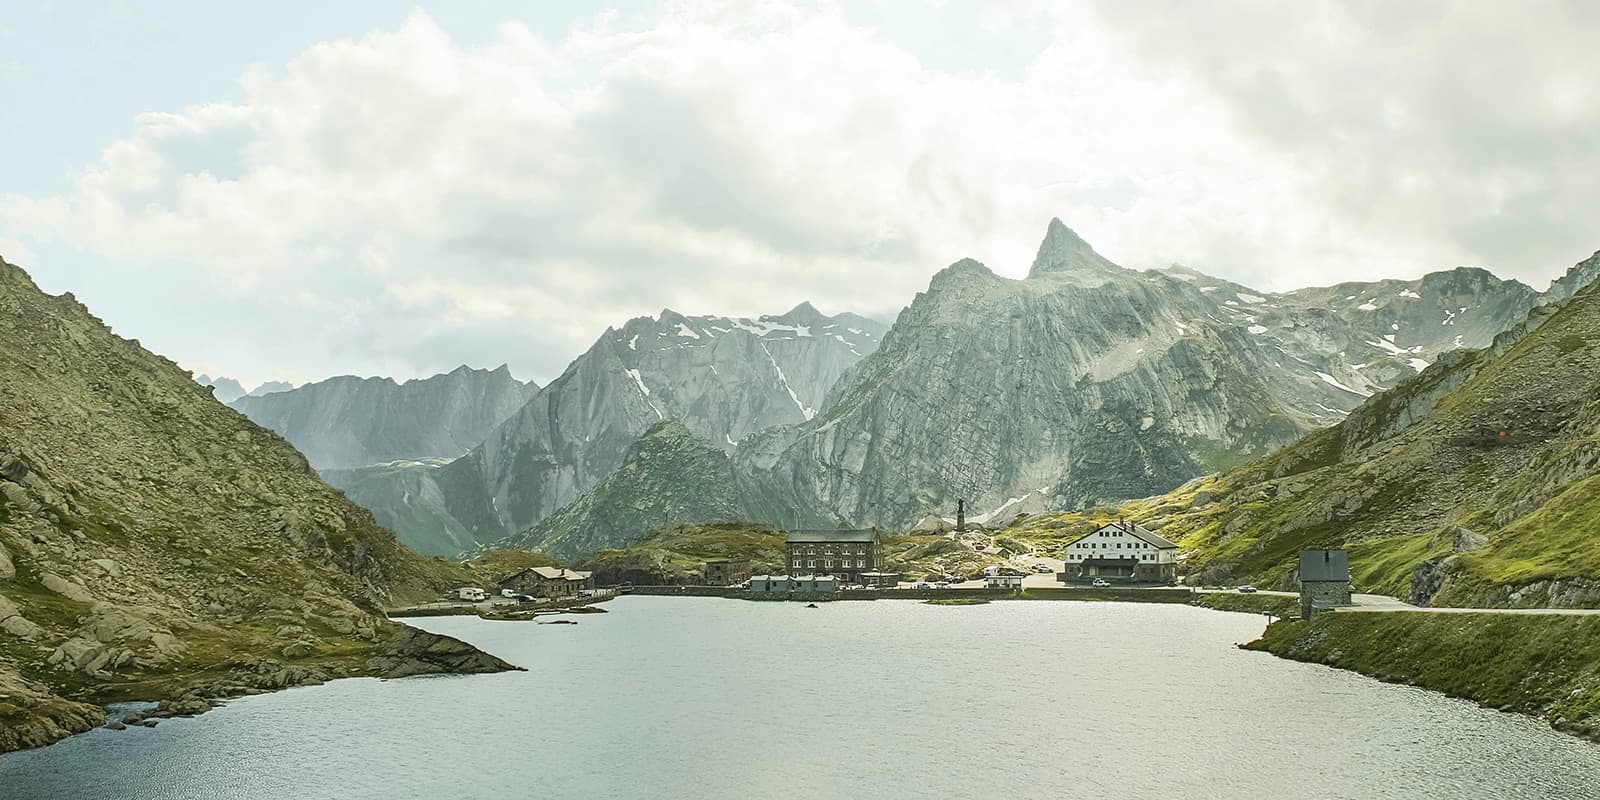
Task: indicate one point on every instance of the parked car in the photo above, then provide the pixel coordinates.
(942, 585)
(923, 585)
(1042, 569)
(1247, 589)
(1101, 583)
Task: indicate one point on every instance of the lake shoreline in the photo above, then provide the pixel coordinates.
(1541, 666)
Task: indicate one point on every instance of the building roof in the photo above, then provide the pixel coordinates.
(866, 535)
(1324, 565)
(555, 574)
(1132, 529)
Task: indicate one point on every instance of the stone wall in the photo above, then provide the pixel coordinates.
(1320, 594)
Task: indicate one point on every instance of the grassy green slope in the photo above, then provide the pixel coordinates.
(155, 543)
(1537, 664)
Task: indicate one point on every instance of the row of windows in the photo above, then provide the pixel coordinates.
(827, 563)
(830, 549)
(1118, 546)
(1081, 556)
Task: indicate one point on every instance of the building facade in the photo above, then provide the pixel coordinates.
(1324, 581)
(845, 555)
(767, 584)
(1123, 552)
(726, 572)
(549, 582)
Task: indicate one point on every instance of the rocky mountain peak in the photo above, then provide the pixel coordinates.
(1063, 250)
(803, 314)
(1582, 274)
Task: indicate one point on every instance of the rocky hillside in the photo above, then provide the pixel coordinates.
(347, 422)
(157, 545)
(724, 378)
(1090, 383)
(1474, 483)
(667, 476)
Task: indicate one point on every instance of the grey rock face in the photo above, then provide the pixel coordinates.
(724, 378)
(667, 476)
(347, 422)
(1094, 383)
(1582, 274)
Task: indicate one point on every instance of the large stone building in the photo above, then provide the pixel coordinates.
(726, 572)
(1123, 552)
(846, 555)
(1324, 581)
(549, 582)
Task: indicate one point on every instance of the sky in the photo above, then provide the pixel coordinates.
(296, 190)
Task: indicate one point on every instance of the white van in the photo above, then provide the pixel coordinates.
(471, 594)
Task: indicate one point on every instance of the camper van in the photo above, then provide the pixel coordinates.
(470, 593)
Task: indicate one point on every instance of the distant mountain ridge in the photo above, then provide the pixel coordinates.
(724, 378)
(346, 422)
(226, 390)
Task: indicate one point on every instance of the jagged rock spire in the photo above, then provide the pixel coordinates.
(1064, 251)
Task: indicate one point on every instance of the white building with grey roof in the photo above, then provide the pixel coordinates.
(1123, 552)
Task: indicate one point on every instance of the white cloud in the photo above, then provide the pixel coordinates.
(427, 203)
(14, 252)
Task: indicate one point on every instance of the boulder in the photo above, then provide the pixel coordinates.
(12, 621)
(8, 570)
(66, 588)
(18, 498)
(299, 650)
(107, 566)
(1467, 540)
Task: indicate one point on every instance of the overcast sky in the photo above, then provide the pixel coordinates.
(299, 189)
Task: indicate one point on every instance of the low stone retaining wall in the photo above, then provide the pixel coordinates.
(1161, 595)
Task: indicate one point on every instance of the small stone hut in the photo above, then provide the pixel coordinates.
(1324, 581)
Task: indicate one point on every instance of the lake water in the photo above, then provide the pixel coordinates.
(704, 698)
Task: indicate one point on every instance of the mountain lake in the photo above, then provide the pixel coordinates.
(678, 698)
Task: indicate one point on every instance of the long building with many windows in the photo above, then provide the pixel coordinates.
(842, 554)
(1122, 551)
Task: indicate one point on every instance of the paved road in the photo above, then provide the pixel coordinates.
(1383, 603)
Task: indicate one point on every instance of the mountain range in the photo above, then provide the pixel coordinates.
(724, 378)
(1091, 384)
(1082, 384)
